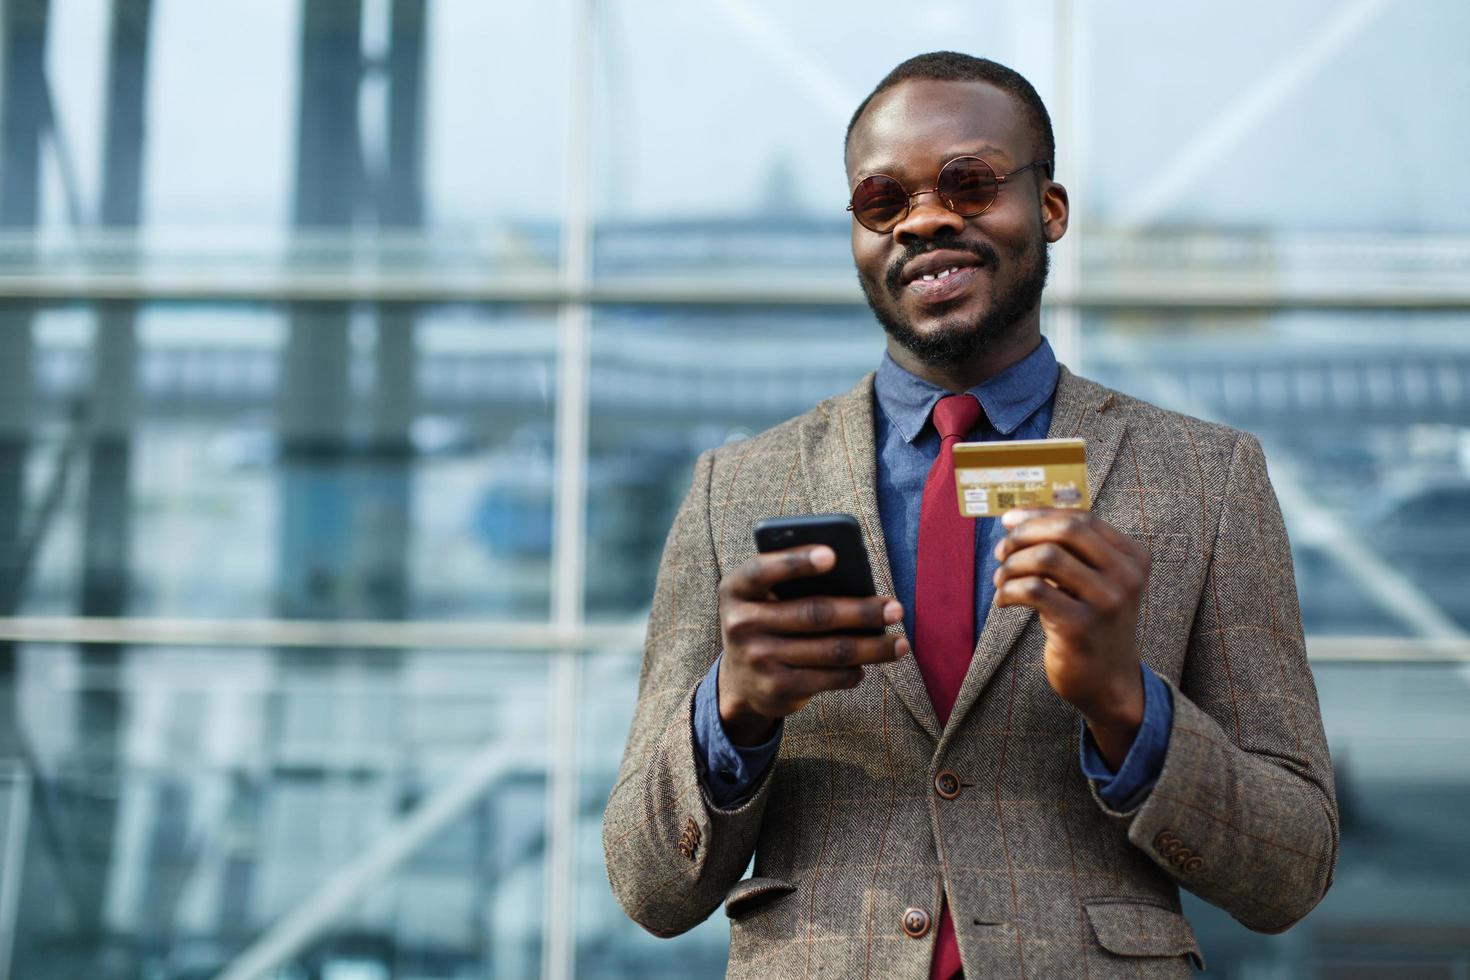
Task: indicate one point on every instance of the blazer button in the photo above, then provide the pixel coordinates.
(1167, 843)
(915, 923)
(947, 784)
(689, 840)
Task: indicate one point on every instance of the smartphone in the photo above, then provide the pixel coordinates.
(850, 576)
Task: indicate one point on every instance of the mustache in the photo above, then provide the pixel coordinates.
(893, 278)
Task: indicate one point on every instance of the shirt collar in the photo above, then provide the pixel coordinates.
(1009, 398)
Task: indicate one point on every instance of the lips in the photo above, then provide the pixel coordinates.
(940, 276)
(944, 286)
(934, 266)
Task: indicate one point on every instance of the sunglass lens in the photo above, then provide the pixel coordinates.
(879, 202)
(968, 185)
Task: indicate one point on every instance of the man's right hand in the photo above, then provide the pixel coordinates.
(780, 654)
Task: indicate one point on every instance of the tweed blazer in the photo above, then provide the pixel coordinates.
(849, 830)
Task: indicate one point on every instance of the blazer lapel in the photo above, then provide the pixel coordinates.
(839, 459)
(1080, 410)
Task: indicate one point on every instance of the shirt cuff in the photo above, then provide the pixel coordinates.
(730, 773)
(1126, 789)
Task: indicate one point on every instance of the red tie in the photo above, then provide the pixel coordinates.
(944, 588)
(944, 604)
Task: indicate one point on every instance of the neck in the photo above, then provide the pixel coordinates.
(962, 376)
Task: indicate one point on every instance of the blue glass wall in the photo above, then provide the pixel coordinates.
(301, 372)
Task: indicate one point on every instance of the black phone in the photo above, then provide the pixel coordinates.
(850, 576)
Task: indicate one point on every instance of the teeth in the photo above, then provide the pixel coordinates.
(931, 277)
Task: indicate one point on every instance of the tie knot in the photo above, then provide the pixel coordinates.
(956, 415)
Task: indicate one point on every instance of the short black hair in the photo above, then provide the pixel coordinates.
(951, 66)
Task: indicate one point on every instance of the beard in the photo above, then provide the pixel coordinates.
(958, 340)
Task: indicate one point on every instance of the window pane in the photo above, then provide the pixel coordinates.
(326, 461)
(611, 946)
(255, 141)
(191, 799)
(1365, 419)
(1320, 124)
(223, 83)
(668, 384)
(725, 116)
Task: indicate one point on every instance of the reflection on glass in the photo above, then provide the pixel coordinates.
(259, 141)
(370, 463)
(668, 384)
(238, 784)
(1366, 424)
(760, 135)
(1251, 123)
(287, 449)
(610, 946)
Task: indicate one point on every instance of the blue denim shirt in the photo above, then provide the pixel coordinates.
(1018, 405)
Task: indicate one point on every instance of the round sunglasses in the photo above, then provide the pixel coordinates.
(966, 185)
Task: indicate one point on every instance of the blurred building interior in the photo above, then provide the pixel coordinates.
(354, 355)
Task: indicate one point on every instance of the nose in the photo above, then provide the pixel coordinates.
(927, 218)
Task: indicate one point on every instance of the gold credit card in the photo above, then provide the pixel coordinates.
(994, 477)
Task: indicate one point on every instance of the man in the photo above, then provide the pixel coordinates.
(1070, 715)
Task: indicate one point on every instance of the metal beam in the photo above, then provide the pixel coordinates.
(543, 288)
(1063, 324)
(314, 549)
(106, 430)
(395, 398)
(569, 513)
(403, 187)
(300, 927)
(24, 111)
(512, 636)
(13, 852)
(23, 115)
(323, 634)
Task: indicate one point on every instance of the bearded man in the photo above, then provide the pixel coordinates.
(1010, 760)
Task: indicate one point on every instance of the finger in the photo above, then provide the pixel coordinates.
(1052, 561)
(1033, 591)
(828, 614)
(804, 683)
(1013, 518)
(1076, 530)
(755, 578)
(841, 651)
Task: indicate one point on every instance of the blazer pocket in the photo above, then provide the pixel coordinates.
(751, 893)
(1141, 929)
(1166, 547)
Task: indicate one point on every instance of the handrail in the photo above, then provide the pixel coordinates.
(318, 634)
(831, 290)
(299, 927)
(12, 857)
(526, 637)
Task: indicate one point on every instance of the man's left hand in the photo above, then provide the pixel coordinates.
(1085, 579)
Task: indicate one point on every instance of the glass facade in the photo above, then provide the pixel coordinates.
(354, 355)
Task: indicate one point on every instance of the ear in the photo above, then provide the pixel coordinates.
(1054, 211)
